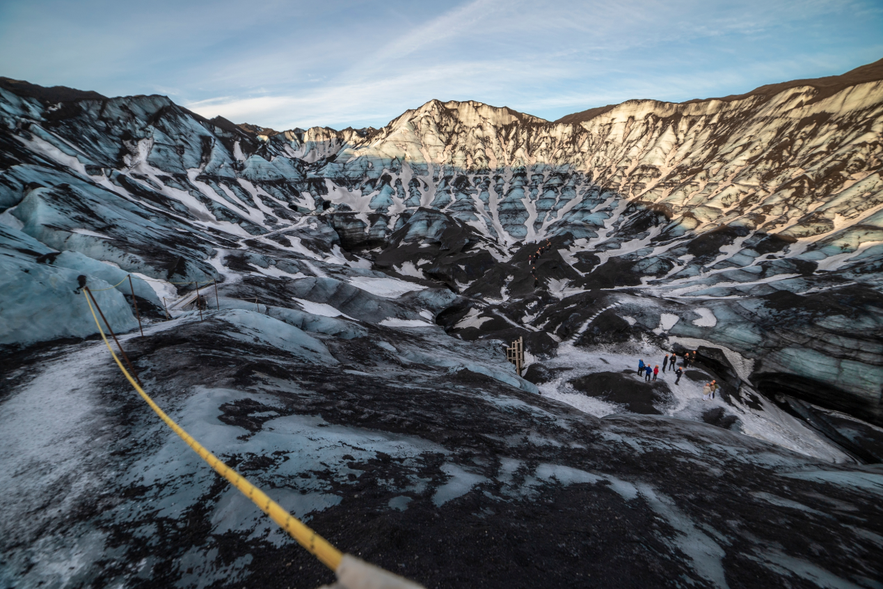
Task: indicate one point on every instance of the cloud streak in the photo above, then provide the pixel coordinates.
(359, 62)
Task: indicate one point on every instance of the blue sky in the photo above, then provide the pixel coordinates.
(338, 63)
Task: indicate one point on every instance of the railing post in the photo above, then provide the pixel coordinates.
(198, 306)
(110, 329)
(134, 302)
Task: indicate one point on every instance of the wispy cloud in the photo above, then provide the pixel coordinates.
(361, 62)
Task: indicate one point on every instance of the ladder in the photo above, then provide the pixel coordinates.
(515, 354)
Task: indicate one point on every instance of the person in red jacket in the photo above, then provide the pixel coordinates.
(656, 372)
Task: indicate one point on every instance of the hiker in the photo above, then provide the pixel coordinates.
(678, 372)
(656, 372)
(664, 363)
(686, 359)
(714, 387)
(81, 281)
(640, 367)
(647, 372)
(706, 391)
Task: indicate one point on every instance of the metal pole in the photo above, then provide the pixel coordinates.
(134, 302)
(217, 300)
(519, 355)
(198, 306)
(126, 358)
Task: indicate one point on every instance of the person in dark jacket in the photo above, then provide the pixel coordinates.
(664, 363)
(678, 372)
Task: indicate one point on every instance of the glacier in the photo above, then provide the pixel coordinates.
(345, 349)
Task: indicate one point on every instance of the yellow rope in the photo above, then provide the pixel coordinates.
(111, 288)
(314, 543)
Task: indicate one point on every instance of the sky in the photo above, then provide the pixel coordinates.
(338, 63)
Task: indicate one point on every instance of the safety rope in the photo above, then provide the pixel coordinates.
(112, 287)
(153, 280)
(306, 537)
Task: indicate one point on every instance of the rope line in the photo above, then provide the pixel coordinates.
(178, 283)
(306, 537)
(112, 287)
(152, 280)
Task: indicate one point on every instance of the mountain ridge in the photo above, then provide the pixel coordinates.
(724, 198)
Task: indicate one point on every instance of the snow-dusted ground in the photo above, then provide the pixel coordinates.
(770, 423)
(113, 480)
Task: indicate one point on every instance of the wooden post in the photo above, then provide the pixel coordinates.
(134, 302)
(126, 358)
(217, 300)
(198, 306)
(166, 309)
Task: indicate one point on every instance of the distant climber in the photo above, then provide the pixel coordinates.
(81, 281)
(656, 372)
(714, 387)
(648, 371)
(678, 372)
(640, 367)
(664, 363)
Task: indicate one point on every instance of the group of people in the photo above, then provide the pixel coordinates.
(709, 390)
(646, 371)
(670, 361)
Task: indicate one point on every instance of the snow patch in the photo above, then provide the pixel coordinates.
(394, 322)
(706, 318)
(389, 288)
(322, 309)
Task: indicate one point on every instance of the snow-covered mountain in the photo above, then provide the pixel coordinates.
(352, 358)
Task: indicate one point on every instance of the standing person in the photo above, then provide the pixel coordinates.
(664, 363)
(706, 391)
(714, 387)
(678, 372)
(648, 372)
(686, 359)
(656, 372)
(640, 367)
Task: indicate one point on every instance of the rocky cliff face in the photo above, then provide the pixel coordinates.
(763, 213)
(726, 205)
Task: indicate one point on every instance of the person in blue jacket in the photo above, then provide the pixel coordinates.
(640, 367)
